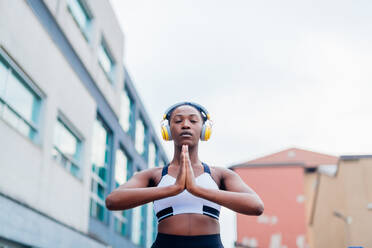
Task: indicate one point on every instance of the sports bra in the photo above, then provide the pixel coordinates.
(185, 202)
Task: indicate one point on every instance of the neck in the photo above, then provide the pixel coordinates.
(193, 154)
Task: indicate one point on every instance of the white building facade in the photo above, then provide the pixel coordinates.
(72, 128)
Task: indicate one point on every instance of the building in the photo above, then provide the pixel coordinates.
(72, 128)
(341, 215)
(285, 182)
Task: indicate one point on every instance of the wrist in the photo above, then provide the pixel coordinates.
(195, 190)
(175, 189)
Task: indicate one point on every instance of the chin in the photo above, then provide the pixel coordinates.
(187, 142)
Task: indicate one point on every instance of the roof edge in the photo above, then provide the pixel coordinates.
(281, 164)
(354, 157)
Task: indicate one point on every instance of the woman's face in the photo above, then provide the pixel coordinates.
(186, 125)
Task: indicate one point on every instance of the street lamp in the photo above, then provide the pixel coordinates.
(347, 220)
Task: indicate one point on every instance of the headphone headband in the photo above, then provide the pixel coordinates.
(201, 109)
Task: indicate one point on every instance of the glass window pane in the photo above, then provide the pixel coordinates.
(19, 97)
(117, 225)
(100, 212)
(1, 108)
(100, 158)
(3, 75)
(149, 224)
(123, 229)
(65, 141)
(143, 224)
(140, 136)
(152, 155)
(10, 117)
(74, 169)
(125, 110)
(121, 167)
(101, 191)
(104, 59)
(136, 225)
(79, 13)
(18, 101)
(100, 137)
(92, 207)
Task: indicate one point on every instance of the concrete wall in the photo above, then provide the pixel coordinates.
(38, 230)
(282, 191)
(104, 24)
(348, 193)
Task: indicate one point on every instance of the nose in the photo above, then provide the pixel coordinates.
(185, 124)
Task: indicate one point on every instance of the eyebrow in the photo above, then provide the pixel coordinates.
(184, 115)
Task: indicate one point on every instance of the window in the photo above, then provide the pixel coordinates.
(106, 61)
(81, 15)
(122, 172)
(151, 227)
(139, 225)
(140, 137)
(161, 163)
(152, 155)
(19, 104)
(126, 110)
(100, 161)
(66, 148)
(154, 224)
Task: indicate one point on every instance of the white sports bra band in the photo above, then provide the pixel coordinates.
(185, 202)
(168, 212)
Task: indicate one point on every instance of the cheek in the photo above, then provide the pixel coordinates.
(198, 129)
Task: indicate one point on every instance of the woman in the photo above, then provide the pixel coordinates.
(187, 193)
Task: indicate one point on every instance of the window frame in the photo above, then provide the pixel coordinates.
(123, 217)
(87, 12)
(66, 123)
(97, 181)
(131, 110)
(145, 143)
(111, 74)
(13, 68)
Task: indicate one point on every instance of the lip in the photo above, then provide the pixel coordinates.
(186, 134)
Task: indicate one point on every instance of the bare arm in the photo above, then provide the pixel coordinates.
(238, 196)
(136, 192)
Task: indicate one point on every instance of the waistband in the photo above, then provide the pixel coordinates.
(170, 240)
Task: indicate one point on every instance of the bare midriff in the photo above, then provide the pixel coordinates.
(189, 224)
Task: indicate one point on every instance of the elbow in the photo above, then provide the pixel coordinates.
(255, 208)
(110, 203)
(259, 208)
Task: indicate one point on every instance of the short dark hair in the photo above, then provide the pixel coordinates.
(183, 104)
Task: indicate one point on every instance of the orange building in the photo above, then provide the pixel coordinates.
(280, 179)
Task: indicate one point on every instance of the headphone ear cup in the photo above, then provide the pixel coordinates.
(169, 132)
(206, 131)
(165, 131)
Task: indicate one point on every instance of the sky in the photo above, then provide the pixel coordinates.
(273, 74)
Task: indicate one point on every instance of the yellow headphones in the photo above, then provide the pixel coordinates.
(207, 125)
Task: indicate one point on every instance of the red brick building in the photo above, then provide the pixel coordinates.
(280, 179)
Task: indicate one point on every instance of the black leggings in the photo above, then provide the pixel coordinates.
(199, 241)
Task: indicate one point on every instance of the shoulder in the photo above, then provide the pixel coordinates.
(151, 175)
(149, 172)
(221, 174)
(222, 171)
